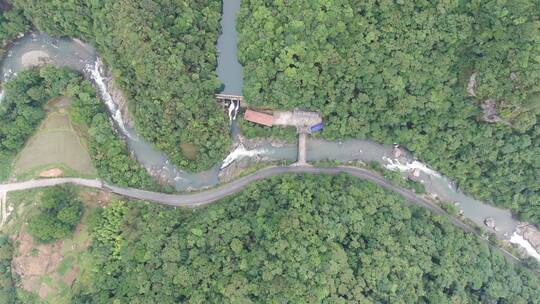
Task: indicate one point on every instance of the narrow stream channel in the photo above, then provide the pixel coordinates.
(37, 47)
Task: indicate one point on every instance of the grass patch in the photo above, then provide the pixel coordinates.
(34, 252)
(6, 162)
(189, 150)
(24, 296)
(22, 202)
(55, 144)
(65, 265)
(252, 130)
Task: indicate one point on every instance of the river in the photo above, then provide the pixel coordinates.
(36, 48)
(39, 47)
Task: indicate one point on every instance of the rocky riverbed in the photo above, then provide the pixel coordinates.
(245, 154)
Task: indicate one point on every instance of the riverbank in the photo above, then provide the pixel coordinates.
(524, 243)
(73, 54)
(195, 200)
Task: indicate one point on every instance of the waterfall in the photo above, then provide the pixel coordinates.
(95, 73)
(234, 106)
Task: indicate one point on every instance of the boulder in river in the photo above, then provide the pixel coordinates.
(119, 98)
(397, 152)
(490, 222)
(532, 235)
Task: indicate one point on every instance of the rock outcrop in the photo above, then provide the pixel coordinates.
(471, 86)
(532, 235)
(119, 99)
(489, 109)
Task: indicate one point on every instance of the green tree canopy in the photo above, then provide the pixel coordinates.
(297, 239)
(163, 56)
(398, 71)
(59, 212)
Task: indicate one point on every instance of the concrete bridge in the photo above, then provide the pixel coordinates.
(227, 99)
(302, 120)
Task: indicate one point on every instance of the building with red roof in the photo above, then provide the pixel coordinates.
(259, 117)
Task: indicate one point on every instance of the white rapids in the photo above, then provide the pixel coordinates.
(95, 73)
(241, 152)
(518, 239)
(395, 165)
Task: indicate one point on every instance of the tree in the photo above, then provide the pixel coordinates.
(163, 57)
(296, 239)
(7, 287)
(59, 213)
(397, 71)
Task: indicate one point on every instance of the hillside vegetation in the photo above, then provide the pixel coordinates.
(296, 239)
(7, 286)
(22, 109)
(163, 55)
(12, 22)
(399, 71)
(59, 212)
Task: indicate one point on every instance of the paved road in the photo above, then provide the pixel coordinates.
(208, 196)
(40, 183)
(205, 197)
(201, 198)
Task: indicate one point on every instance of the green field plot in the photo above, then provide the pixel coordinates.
(55, 145)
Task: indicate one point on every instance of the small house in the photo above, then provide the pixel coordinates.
(259, 117)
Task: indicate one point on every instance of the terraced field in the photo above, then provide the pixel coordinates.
(57, 144)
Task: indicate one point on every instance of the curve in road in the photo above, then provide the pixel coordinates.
(193, 200)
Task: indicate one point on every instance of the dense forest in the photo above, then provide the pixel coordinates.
(109, 153)
(58, 213)
(12, 22)
(296, 239)
(402, 71)
(163, 55)
(22, 109)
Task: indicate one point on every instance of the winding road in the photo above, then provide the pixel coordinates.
(205, 197)
(192, 200)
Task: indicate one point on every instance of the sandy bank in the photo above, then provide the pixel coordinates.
(34, 58)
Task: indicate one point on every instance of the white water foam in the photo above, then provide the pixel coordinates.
(231, 109)
(518, 239)
(95, 73)
(8, 74)
(395, 165)
(236, 108)
(240, 152)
